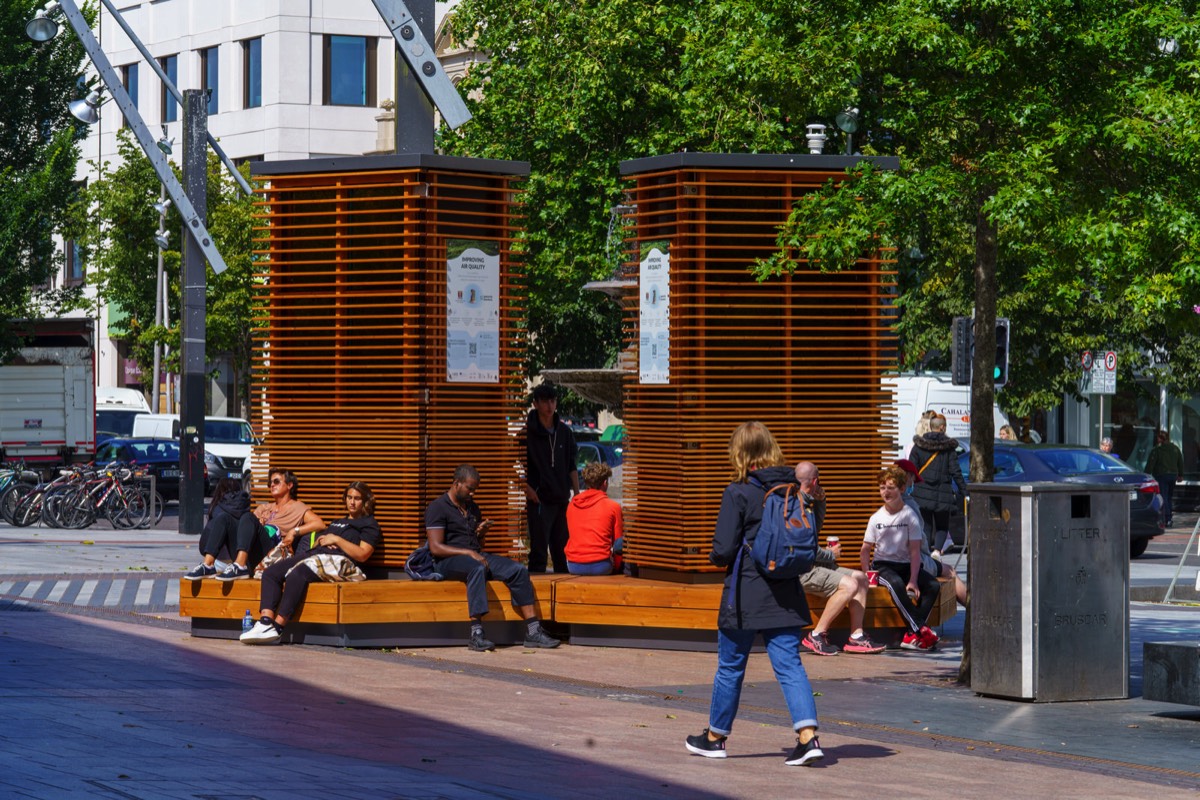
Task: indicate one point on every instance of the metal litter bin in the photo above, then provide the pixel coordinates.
(1049, 591)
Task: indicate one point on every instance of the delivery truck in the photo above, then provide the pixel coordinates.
(48, 395)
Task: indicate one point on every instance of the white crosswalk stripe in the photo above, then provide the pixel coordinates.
(109, 592)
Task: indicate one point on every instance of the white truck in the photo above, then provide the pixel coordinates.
(915, 394)
(48, 395)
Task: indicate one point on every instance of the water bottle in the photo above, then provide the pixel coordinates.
(247, 621)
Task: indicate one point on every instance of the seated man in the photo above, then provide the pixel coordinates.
(933, 566)
(455, 528)
(840, 586)
(893, 539)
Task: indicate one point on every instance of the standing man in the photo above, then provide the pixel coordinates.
(550, 478)
(456, 529)
(1165, 463)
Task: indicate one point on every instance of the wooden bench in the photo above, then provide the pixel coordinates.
(632, 610)
(614, 610)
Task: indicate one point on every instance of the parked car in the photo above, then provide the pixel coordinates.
(609, 453)
(1067, 463)
(158, 457)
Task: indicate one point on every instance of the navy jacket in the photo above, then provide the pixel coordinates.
(750, 601)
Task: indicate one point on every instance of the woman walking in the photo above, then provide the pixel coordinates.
(752, 604)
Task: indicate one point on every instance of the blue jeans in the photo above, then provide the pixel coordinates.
(733, 652)
(594, 568)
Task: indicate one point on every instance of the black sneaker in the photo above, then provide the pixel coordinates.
(701, 745)
(199, 572)
(819, 644)
(480, 644)
(805, 754)
(541, 639)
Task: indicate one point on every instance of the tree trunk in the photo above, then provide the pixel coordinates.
(983, 389)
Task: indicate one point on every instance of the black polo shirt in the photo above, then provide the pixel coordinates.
(460, 529)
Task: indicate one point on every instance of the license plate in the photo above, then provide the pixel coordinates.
(170, 473)
(233, 475)
(1133, 495)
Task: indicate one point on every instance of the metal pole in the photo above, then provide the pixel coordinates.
(193, 224)
(158, 300)
(167, 82)
(191, 414)
(168, 379)
(414, 112)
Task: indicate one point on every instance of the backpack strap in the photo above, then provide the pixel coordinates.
(927, 463)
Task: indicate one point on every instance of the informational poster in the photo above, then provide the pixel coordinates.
(654, 314)
(472, 311)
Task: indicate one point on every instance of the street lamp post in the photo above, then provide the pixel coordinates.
(192, 323)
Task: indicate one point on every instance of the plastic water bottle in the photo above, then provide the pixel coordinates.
(247, 621)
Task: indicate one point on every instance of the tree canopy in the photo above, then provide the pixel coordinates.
(1048, 158)
(38, 153)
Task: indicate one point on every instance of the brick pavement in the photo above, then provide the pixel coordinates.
(106, 707)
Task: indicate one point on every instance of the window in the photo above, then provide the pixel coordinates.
(74, 272)
(170, 108)
(129, 79)
(252, 73)
(349, 70)
(210, 76)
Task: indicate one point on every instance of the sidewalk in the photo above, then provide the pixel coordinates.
(100, 706)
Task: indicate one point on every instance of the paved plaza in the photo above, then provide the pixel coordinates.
(106, 695)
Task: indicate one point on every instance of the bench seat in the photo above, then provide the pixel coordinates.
(383, 611)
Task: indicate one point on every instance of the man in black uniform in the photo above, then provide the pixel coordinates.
(550, 477)
(456, 531)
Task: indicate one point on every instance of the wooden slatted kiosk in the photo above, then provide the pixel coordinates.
(803, 354)
(352, 380)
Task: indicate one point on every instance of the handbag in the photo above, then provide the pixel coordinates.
(419, 565)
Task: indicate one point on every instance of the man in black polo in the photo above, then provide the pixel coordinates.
(550, 477)
(455, 528)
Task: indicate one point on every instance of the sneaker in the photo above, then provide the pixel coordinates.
(805, 754)
(701, 745)
(911, 641)
(541, 639)
(480, 643)
(863, 644)
(200, 572)
(261, 633)
(819, 644)
(929, 639)
(234, 572)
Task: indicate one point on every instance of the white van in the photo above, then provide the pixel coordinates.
(915, 394)
(116, 408)
(228, 443)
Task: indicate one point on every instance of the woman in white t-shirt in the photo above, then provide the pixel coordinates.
(893, 543)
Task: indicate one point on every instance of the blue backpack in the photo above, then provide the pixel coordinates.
(785, 546)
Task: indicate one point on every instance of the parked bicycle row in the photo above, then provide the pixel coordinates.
(78, 497)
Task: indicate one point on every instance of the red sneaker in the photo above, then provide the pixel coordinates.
(929, 639)
(911, 641)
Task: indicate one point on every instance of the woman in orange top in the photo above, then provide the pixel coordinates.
(594, 523)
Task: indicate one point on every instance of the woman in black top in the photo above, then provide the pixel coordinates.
(284, 583)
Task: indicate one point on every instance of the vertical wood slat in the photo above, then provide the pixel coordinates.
(350, 364)
(803, 354)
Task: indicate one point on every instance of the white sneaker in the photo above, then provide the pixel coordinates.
(261, 633)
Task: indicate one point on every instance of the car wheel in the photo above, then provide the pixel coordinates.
(1138, 546)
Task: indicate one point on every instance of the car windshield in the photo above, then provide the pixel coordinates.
(1080, 462)
(118, 423)
(227, 431)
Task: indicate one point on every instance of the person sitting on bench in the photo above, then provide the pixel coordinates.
(456, 530)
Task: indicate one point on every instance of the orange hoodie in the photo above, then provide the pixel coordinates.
(593, 523)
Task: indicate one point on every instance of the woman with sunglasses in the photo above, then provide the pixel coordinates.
(337, 554)
(249, 536)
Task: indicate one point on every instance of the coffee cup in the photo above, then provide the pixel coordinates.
(872, 578)
(833, 541)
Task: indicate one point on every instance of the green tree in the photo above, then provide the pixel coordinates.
(115, 220)
(38, 152)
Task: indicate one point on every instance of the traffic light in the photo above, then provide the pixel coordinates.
(1000, 373)
(960, 352)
